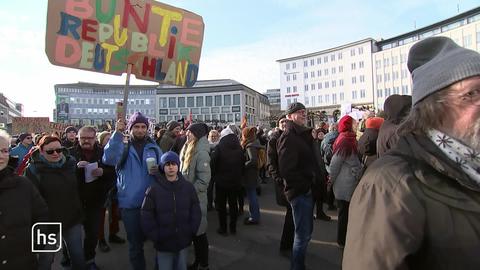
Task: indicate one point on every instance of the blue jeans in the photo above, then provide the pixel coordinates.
(72, 239)
(302, 209)
(172, 260)
(253, 206)
(135, 237)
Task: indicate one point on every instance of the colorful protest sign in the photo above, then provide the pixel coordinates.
(30, 124)
(163, 43)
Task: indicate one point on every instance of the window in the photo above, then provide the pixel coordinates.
(362, 93)
(379, 93)
(305, 63)
(184, 111)
(325, 72)
(190, 102)
(467, 41)
(225, 109)
(227, 100)
(334, 70)
(289, 101)
(361, 64)
(312, 62)
(362, 78)
(352, 52)
(319, 73)
(312, 74)
(312, 86)
(305, 75)
(209, 101)
(340, 82)
(340, 55)
(205, 110)
(327, 85)
(360, 50)
(307, 101)
(325, 59)
(319, 85)
(319, 60)
(340, 69)
(199, 101)
(342, 96)
(313, 100)
(334, 98)
(327, 98)
(218, 100)
(172, 102)
(354, 94)
(354, 80)
(288, 90)
(306, 87)
(320, 99)
(215, 110)
(294, 89)
(294, 65)
(181, 102)
(294, 77)
(287, 66)
(288, 78)
(332, 57)
(354, 66)
(334, 84)
(236, 99)
(230, 117)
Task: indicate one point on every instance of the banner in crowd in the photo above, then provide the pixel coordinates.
(162, 42)
(30, 125)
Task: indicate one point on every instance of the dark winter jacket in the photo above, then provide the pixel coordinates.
(21, 206)
(296, 159)
(327, 148)
(367, 146)
(170, 213)
(167, 141)
(68, 144)
(58, 187)
(250, 174)
(396, 109)
(227, 162)
(93, 194)
(272, 166)
(417, 208)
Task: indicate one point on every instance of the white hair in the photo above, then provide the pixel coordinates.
(5, 136)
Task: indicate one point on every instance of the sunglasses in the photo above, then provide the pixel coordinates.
(58, 150)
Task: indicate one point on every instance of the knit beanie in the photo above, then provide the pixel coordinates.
(198, 129)
(345, 124)
(169, 156)
(438, 62)
(172, 125)
(136, 118)
(374, 122)
(23, 136)
(296, 106)
(70, 129)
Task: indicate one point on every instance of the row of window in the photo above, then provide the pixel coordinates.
(105, 91)
(329, 98)
(109, 101)
(394, 61)
(395, 91)
(229, 117)
(394, 77)
(325, 58)
(200, 101)
(106, 111)
(204, 110)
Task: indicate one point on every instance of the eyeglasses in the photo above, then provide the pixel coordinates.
(58, 150)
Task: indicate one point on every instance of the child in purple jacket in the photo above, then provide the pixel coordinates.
(171, 214)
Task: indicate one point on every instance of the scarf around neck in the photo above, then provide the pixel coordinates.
(465, 157)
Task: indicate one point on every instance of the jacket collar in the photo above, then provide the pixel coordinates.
(292, 126)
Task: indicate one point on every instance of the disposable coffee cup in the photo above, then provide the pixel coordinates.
(151, 163)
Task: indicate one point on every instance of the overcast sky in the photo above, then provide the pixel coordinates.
(242, 39)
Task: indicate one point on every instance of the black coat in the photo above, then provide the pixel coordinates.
(21, 206)
(296, 159)
(227, 162)
(367, 145)
(170, 213)
(59, 189)
(93, 194)
(250, 174)
(272, 166)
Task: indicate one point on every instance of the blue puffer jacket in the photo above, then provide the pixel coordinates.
(132, 177)
(20, 151)
(171, 214)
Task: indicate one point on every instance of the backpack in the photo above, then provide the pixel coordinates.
(328, 152)
(261, 158)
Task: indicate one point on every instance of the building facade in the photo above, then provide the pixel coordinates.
(213, 102)
(8, 110)
(274, 99)
(95, 104)
(323, 80)
(366, 72)
(391, 75)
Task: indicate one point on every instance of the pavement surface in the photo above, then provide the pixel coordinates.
(253, 247)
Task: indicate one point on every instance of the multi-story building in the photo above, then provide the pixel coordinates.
(323, 80)
(213, 102)
(365, 72)
(216, 101)
(95, 104)
(273, 96)
(391, 75)
(8, 110)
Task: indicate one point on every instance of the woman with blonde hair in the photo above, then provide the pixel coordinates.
(195, 166)
(251, 147)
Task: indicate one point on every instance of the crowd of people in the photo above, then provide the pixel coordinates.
(406, 183)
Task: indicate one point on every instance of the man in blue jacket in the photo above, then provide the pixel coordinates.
(22, 148)
(133, 178)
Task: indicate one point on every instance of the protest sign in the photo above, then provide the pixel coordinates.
(30, 125)
(162, 43)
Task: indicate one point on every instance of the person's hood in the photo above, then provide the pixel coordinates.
(397, 107)
(226, 131)
(229, 141)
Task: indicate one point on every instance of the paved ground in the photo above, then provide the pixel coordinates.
(254, 247)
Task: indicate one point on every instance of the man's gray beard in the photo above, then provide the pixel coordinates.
(471, 136)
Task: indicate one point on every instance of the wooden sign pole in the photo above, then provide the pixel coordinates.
(125, 90)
